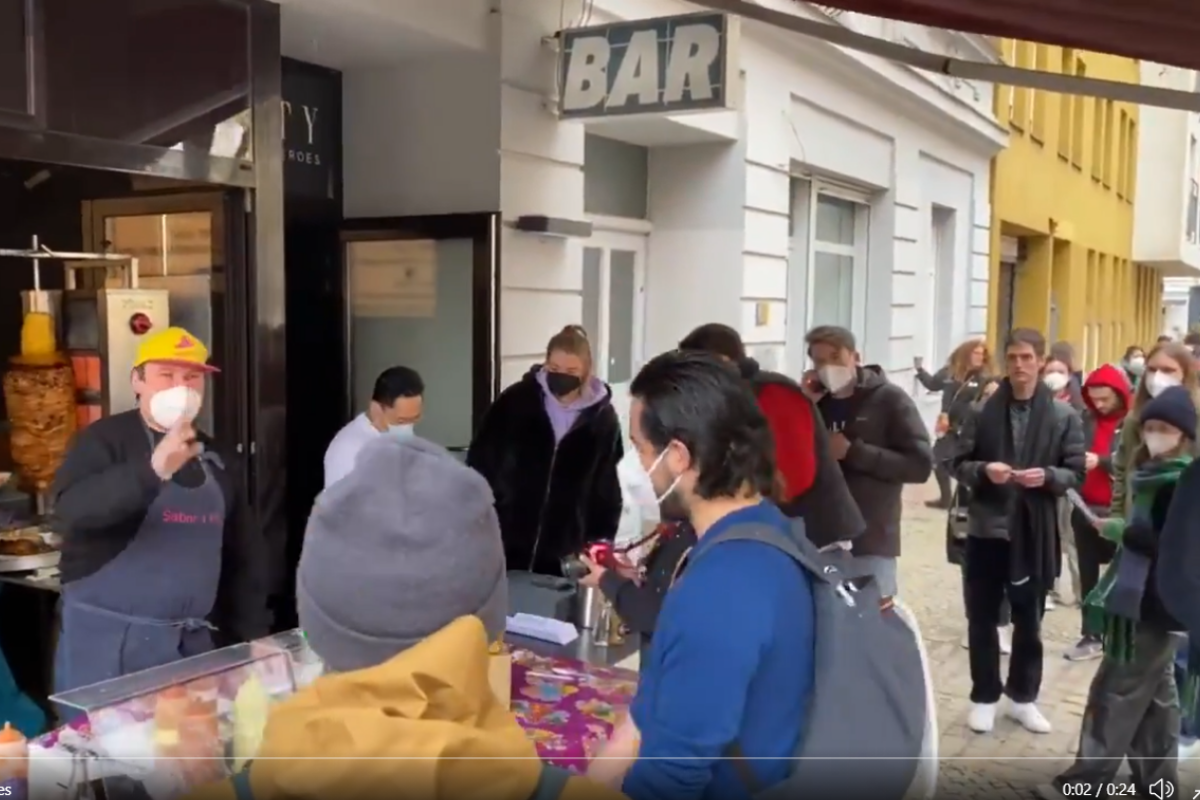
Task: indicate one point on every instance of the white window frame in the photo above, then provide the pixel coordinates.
(857, 251)
(631, 235)
(944, 249)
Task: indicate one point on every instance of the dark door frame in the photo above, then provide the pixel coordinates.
(483, 228)
(230, 294)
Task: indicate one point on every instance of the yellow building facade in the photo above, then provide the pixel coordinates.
(1062, 213)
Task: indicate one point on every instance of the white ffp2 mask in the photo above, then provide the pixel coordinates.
(1160, 442)
(171, 405)
(836, 377)
(1159, 382)
(1055, 381)
(636, 480)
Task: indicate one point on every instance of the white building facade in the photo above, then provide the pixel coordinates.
(1166, 222)
(839, 189)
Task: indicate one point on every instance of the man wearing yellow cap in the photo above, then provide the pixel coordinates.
(152, 561)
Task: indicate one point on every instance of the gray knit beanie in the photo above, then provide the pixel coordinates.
(399, 548)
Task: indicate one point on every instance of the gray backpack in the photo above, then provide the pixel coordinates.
(866, 719)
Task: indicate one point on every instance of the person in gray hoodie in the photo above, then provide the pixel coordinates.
(549, 447)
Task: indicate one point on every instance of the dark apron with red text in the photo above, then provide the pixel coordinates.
(150, 605)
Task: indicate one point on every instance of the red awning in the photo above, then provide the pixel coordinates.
(1162, 31)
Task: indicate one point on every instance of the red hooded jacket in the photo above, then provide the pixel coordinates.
(1101, 431)
(814, 488)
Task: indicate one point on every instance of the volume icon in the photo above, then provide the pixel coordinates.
(1162, 789)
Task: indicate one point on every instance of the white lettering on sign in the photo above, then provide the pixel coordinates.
(300, 155)
(310, 120)
(633, 63)
(638, 74)
(695, 49)
(587, 73)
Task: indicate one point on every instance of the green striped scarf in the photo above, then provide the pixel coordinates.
(1117, 632)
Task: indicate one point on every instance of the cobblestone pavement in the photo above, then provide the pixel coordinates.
(1009, 762)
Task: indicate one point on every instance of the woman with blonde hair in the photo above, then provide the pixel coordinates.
(965, 373)
(1168, 364)
(549, 447)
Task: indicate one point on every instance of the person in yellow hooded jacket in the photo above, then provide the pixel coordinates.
(401, 587)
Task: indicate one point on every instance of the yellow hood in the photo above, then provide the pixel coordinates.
(426, 721)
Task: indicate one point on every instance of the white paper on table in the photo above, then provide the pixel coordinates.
(542, 628)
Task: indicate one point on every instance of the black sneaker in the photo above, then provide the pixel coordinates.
(940, 505)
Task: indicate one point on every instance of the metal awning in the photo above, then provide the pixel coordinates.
(1161, 31)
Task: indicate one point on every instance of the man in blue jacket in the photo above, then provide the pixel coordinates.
(731, 662)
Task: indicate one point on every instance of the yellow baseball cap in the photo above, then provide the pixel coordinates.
(174, 346)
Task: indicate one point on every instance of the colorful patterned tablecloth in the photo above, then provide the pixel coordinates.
(568, 707)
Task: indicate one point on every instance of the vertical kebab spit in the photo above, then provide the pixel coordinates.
(39, 390)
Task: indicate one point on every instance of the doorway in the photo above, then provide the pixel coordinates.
(614, 294)
(421, 292)
(193, 245)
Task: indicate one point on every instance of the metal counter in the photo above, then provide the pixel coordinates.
(582, 649)
(26, 579)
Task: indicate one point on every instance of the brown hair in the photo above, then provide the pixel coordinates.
(1064, 353)
(1027, 336)
(960, 360)
(1181, 355)
(572, 339)
(832, 335)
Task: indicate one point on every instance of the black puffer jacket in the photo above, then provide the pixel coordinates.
(551, 498)
(889, 448)
(817, 490)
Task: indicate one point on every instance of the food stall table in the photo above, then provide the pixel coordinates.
(566, 705)
(566, 698)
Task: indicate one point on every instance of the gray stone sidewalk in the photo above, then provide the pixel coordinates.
(1010, 761)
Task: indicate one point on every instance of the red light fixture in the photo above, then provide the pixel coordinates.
(140, 324)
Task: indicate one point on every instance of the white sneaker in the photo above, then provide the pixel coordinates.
(1029, 717)
(1050, 604)
(1189, 750)
(982, 717)
(1005, 640)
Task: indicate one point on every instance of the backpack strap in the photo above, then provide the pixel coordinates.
(836, 566)
(551, 782)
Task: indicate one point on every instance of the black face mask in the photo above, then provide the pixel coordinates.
(561, 384)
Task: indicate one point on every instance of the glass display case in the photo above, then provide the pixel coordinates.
(164, 731)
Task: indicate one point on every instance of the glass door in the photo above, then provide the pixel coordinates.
(614, 292)
(421, 293)
(194, 246)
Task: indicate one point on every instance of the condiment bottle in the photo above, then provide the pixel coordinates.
(200, 742)
(14, 764)
(198, 728)
(169, 708)
(204, 689)
(250, 709)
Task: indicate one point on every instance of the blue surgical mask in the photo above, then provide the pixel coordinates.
(401, 431)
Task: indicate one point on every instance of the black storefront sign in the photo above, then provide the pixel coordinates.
(312, 126)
